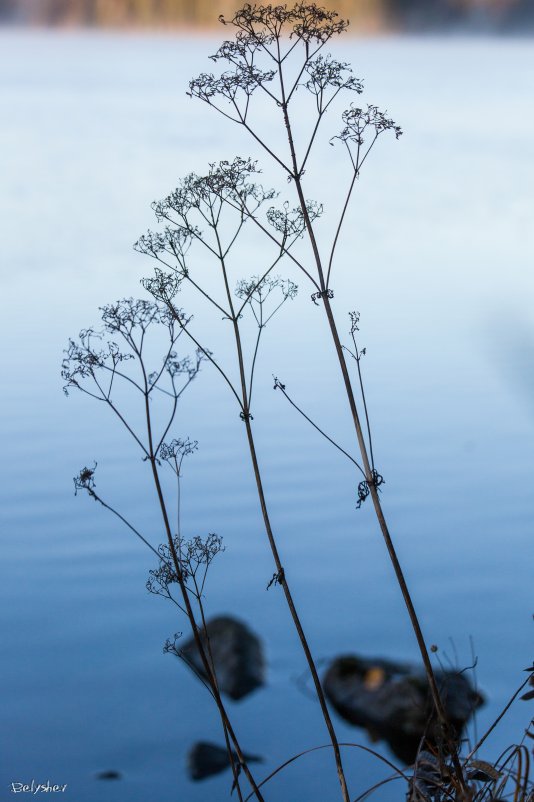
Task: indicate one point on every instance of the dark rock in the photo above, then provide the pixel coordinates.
(109, 775)
(237, 656)
(205, 759)
(392, 700)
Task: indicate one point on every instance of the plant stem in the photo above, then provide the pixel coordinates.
(434, 690)
(281, 578)
(208, 668)
(440, 710)
(235, 770)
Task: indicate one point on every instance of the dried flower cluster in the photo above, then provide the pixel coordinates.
(194, 558)
(357, 120)
(305, 22)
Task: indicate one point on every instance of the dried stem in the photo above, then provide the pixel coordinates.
(306, 24)
(81, 365)
(227, 184)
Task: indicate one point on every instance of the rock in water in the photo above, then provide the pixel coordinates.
(237, 656)
(109, 775)
(206, 759)
(392, 700)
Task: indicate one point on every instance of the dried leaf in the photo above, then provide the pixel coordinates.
(483, 771)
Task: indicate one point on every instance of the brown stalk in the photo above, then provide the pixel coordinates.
(206, 663)
(243, 398)
(295, 174)
(79, 364)
(414, 620)
(281, 575)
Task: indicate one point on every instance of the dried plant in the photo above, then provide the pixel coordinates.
(211, 211)
(103, 369)
(276, 53)
(288, 41)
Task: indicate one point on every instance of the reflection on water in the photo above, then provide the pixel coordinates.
(439, 251)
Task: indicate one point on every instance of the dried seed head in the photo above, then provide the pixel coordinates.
(306, 21)
(324, 71)
(357, 121)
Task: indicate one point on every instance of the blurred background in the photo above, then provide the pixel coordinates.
(364, 14)
(438, 257)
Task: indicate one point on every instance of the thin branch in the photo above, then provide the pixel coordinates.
(94, 495)
(275, 310)
(208, 356)
(282, 247)
(396, 769)
(497, 720)
(357, 358)
(170, 420)
(263, 144)
(206, 295)
(256, 285)
(123, 420)
(281, 387)
(251, 379)
(312, 140)
(238, 231)
(124, 376)
(376, 786)
(154, 383)
(340, 224)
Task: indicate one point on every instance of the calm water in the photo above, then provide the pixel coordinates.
(438, 259)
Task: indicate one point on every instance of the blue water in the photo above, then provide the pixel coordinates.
(437, 258)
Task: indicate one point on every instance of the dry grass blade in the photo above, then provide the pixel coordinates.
(398, 772)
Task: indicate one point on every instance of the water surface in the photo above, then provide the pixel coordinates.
(437, 258)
